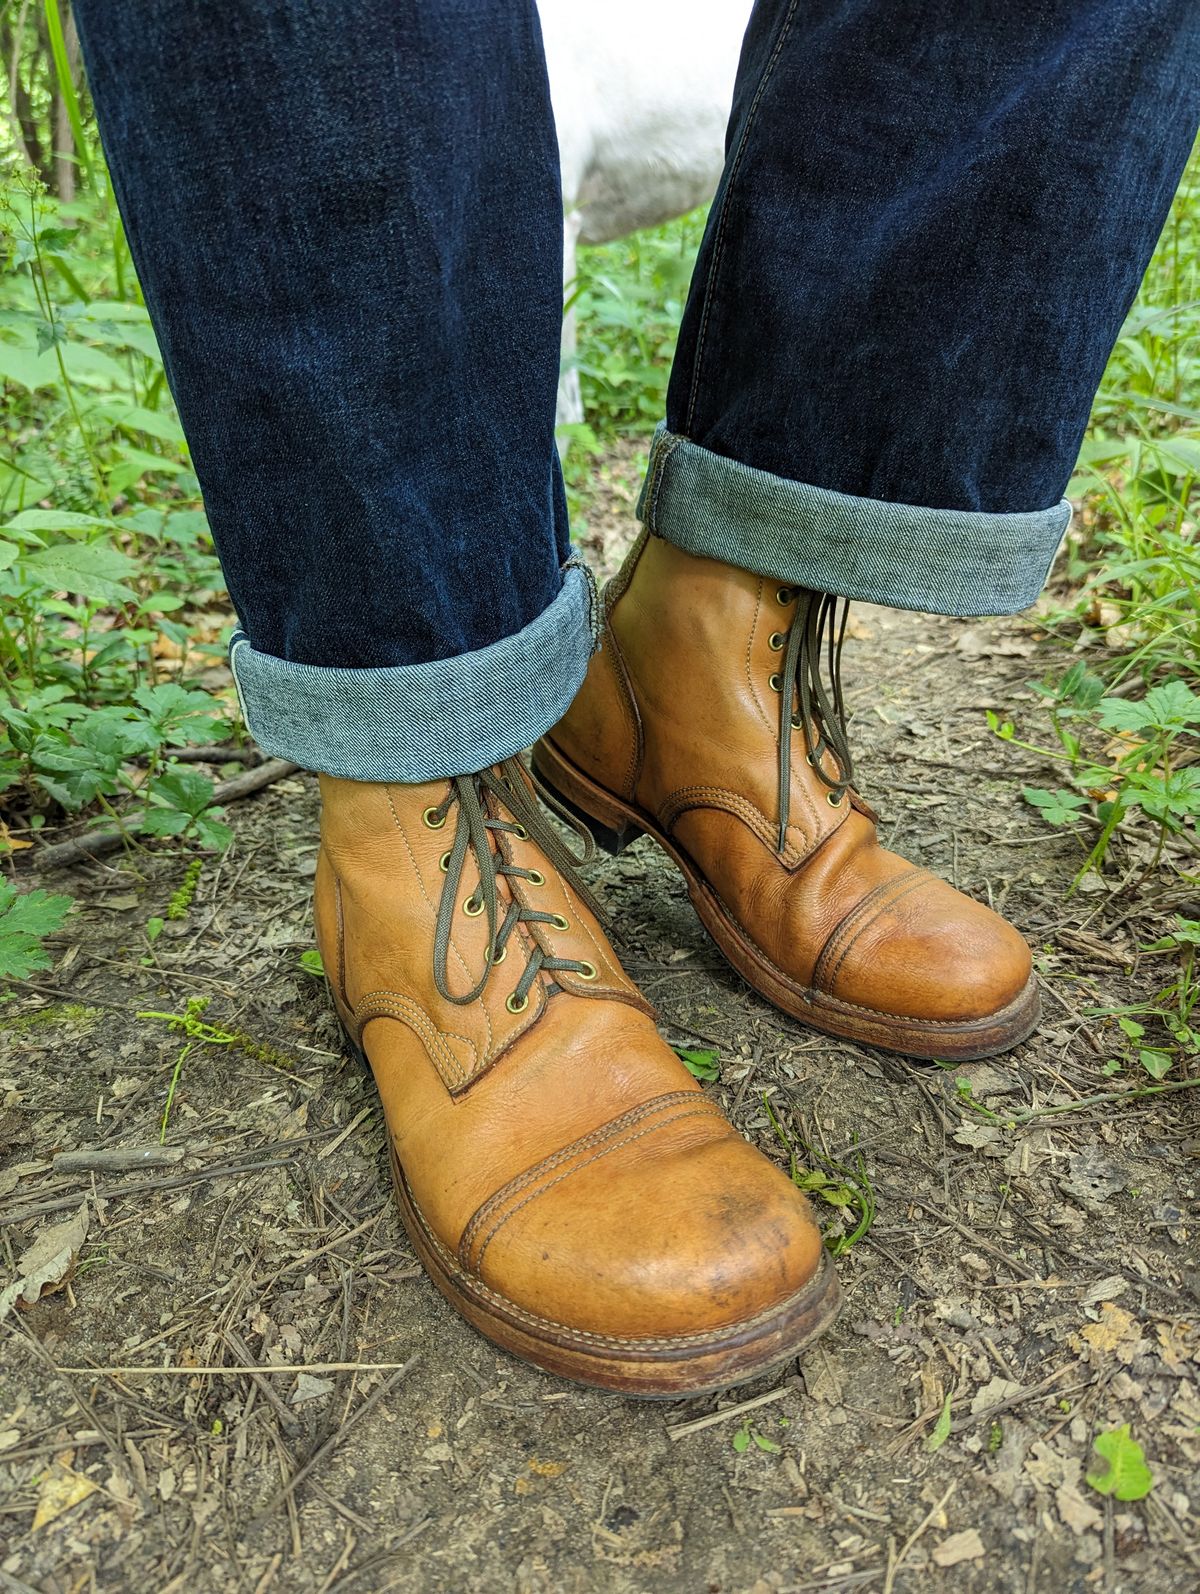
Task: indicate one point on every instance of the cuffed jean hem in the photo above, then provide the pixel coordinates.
(421, 722)
(941, 561)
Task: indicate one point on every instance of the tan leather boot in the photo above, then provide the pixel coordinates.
(712, 721)
(569, 1187)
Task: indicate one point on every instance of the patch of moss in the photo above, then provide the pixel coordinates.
(55, 1016)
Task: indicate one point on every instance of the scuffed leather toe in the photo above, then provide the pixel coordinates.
(673, 1232)
(923, 950)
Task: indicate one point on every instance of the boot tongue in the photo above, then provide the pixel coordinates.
(497, 802)
(814, 640)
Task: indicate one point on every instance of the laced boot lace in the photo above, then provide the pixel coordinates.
(812, 672)
(489, 804)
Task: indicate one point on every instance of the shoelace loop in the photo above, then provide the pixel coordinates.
(483, 802)
(814, 640)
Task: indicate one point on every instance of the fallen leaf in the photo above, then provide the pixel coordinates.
(1127, 1476)
(61, 1489)
(993, 1393)
(1078, 1515)
(1178, 1343)
(964, 1546)
(47, 1264)
(941, 1428)
(309, 1387)
(1118, 1333)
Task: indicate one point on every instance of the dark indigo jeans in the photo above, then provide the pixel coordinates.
(346, 218)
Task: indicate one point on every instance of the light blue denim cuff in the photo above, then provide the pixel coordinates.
(942, 561)
(422, 722)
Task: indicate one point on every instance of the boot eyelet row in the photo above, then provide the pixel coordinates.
(499, 957)
(536, 877)
(784, 595)
(444, 863)
(834, 799)
(520, 832)
(516, 1004)
(776, 641)
(560, 923)
(432, 820)
(776, 683)
(589, 971)
(473, 908)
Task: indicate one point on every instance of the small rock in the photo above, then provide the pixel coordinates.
(1093, 1178)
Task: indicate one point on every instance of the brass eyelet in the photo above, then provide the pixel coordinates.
(834, 799)
(499, 958)
(473, 909)
(515, 1006)
(589, 971)
(796, 724)
(776, 640)
(444, 863)
(776, 683)
(536, 877)
(784, 595)
(520, 832)
(560, 923)
(431, 820)
(808, 757)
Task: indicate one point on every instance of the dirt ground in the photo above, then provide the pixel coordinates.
(1035, 1262)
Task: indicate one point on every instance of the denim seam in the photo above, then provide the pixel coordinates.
(428, 721)
(710, 287)
(942, 561)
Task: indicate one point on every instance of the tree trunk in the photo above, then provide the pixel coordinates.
(24, 122)
(64, 139)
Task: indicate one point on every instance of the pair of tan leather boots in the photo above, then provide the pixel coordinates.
(570, 1188)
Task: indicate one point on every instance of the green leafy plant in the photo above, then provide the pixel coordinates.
(197, 1032)
(703, 1065)
(747, 1434)
(26, 919)
(106, 565)
(1165, 1028)
(941, 1428)
(181, 900)
(1126, 1477)
(628, 298)
(311, 963)
(847, 1190)
(1132, 567)
(1144, 771)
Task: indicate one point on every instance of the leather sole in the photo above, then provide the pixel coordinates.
(649, 1369)
(615, 824)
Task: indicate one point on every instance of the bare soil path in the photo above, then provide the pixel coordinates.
(1034, 1262)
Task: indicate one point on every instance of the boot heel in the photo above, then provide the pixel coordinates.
(613, 842)
(605, 823)
(348, 1041)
